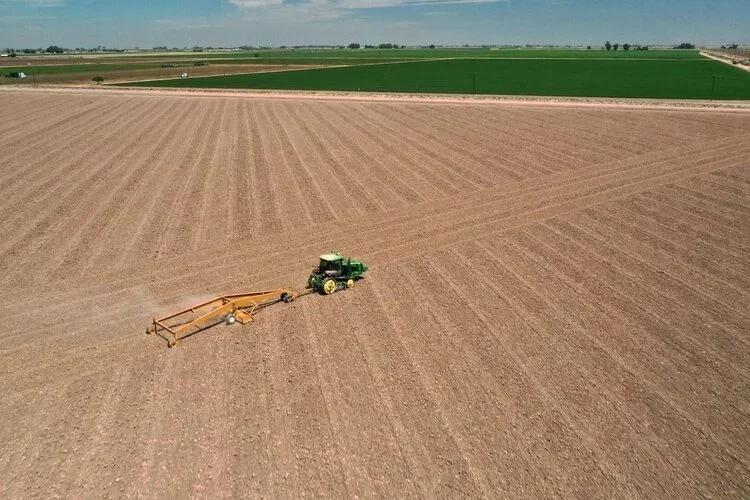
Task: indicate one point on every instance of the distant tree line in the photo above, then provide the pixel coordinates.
(356, 45)
(625, 46)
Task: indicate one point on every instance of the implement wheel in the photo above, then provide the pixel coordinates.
(329, 286)
(349, 283)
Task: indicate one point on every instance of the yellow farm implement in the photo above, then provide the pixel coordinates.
(332, 274)
(227, 309)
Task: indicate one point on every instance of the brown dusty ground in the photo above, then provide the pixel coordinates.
(121, 76)
(556, 306)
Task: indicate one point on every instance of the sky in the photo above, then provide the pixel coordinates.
(230, 23)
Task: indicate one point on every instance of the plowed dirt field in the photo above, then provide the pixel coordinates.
(557, 301)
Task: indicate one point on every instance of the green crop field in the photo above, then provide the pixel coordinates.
(644, 78)
(325, 57)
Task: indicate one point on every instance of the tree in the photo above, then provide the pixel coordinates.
(432, 46)
(98, 79)
(684, 46)
(625, 46)
(616, 46)
(354, 45)
(588, 47)
(54, 49)
(607, 45)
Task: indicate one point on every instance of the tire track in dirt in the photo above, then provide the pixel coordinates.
(509, 217)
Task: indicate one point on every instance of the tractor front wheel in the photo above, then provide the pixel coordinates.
(349, 283)
(329, 286)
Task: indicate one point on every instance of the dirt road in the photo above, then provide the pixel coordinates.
(556, 306)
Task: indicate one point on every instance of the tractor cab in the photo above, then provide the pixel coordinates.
(331, 264)
(335, 272)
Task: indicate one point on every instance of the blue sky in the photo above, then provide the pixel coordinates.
(138, 23)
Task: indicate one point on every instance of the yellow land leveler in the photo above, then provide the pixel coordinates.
(334, 273)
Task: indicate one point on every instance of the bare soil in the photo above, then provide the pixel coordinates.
(134, 75)
(556, 304)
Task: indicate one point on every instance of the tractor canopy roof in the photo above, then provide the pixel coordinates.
(331, 257)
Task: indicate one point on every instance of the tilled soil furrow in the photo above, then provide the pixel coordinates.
(708, 228)
(668, 258)
(156, 208)
(689, 328)
(678, 232)
(311, 191)
(77, 190)
(423, 396)
(378, 194)
(117, 242)
(211, 206)
(408, 168)
(660, 365)
(735, 212)
(569, 361)
(180, 218)
(446, 230)
(38, 182)
(418, 135)
(463, 157)
(554, 306)
(441, 179)
(549, 424)
(372, 158)
(355, 407)
(297, 211)
(86, 229)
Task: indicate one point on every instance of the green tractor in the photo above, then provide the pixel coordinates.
(335, 272)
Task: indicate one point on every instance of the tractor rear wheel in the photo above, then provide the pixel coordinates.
(349, 283)
(329, 286)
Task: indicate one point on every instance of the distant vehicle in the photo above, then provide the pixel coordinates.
(16, 74)
(184, 75)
